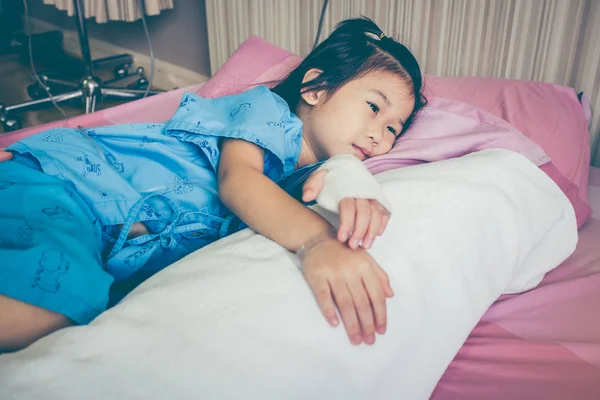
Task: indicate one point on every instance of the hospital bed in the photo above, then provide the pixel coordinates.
(542, 343)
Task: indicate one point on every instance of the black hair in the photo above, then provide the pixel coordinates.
(356, 46)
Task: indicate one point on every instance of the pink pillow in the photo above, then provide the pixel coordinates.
(550, 115)
(255, 62)
(449, 128)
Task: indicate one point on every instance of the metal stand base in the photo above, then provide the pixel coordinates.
(90, 90)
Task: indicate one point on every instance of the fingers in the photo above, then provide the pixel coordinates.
(362, 305)
(345, 305)
(385, 218)
(313, 186)
(361, 222)
(322, 291)
(347, 214)
(384, 281)
(353, 282)
(374, 226)
(363, 308)
(377, 297)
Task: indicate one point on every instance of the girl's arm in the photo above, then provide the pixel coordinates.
(334, 271)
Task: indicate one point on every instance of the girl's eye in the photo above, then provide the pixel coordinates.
(392, 130)
(374, 107)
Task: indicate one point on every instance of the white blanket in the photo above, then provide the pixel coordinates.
(236, 320)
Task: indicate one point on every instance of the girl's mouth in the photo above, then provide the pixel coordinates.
(364, 153)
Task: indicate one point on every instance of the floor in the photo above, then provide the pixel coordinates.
(14, 79)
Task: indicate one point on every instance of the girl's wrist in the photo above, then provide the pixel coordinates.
(314, 242)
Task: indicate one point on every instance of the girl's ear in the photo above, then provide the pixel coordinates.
(312, 97)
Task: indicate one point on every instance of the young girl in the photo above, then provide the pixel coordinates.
(83, 208)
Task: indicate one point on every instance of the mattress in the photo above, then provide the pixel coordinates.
(543, 344)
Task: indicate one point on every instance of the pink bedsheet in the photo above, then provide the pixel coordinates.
(543, 344)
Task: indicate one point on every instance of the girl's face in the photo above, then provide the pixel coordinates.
(363, 117)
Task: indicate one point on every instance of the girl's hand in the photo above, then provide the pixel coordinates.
(361, 220)
(5, 155)
(354, 282)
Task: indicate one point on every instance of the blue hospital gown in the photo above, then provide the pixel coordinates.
(163, 174)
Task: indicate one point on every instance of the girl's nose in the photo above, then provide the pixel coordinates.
(375, 138)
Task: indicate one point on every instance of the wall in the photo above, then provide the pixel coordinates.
(179, 36)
